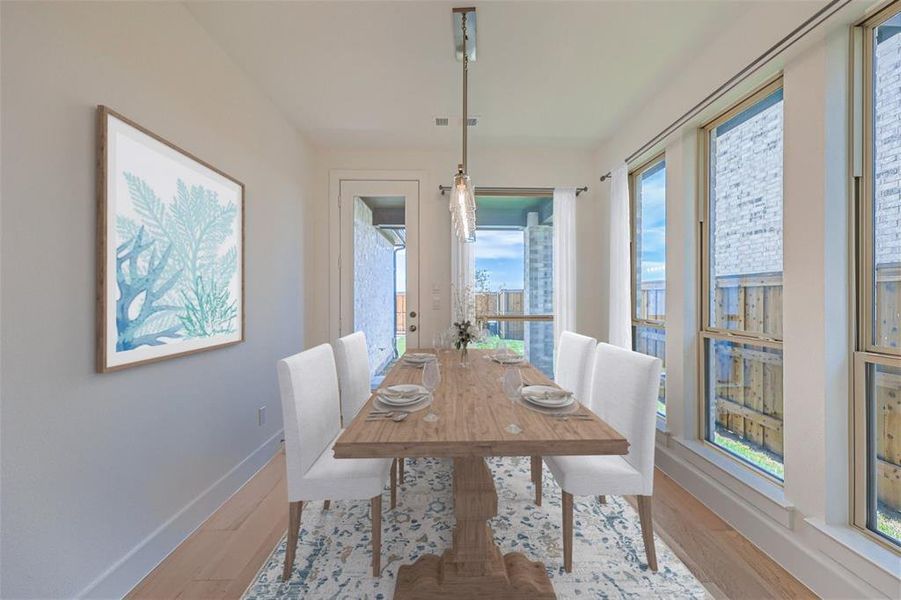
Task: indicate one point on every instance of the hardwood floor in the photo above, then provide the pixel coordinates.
(220, 559)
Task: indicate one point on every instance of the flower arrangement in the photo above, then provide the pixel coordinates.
(465, 335)
(466, 329)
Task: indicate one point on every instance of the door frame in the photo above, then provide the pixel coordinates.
(335, 179)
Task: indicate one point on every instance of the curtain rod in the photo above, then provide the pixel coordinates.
(772, 52)
(512, 191)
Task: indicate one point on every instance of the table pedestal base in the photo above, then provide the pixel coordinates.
(474, 567)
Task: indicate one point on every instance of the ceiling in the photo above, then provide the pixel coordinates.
(376, 74)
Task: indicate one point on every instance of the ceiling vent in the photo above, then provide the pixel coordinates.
(445, 121)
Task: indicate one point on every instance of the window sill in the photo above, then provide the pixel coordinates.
(757, 489)
(845, 544)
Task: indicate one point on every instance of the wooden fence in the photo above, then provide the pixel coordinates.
(400, 316)
(503, 302)
(887, 389)
(747, 379)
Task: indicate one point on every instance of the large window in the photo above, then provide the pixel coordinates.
(648, 185)
(742, 282)
(514, 261)
(877, 397)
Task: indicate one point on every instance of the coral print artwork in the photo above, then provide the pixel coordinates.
(171, 249)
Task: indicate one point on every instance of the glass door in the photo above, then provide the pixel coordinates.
(514, 283)
(379, 268)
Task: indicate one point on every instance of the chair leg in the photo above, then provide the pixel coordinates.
(400, 470)
(536, 478)
(394, 484)
(376, 535)
(294, 511)
(326, 504)
(602, 499)
(567, 532)
(647, 530)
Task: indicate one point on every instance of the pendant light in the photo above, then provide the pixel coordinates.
(462, 198)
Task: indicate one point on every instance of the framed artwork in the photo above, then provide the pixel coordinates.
(170, 249)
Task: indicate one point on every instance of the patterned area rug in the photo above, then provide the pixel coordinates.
(333, 557)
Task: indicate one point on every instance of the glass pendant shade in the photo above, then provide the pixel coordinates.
(463, 208)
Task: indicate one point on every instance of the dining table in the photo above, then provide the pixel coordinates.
(470, 419)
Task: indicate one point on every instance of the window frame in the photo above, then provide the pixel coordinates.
(866, 352)
(709, 334)
(636, 323)
(634, 178)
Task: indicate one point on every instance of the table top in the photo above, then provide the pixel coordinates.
(473, 412)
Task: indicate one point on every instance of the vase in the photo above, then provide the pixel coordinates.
(464, 357)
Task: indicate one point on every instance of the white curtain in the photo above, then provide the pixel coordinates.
(463, 274)
(564, 261)
(620, 261)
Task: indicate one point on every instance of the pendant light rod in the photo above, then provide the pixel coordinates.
(465, 91)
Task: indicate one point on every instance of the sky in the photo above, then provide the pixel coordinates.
(653, 226)
(501, 253)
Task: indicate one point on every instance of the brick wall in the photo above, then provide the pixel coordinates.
(373, 287)
(539, 284)
(887, 139)
(747, 220)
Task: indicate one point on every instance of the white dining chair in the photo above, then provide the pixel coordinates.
(309, 389)
(354, 383)
(355, 388)
(572, 371)
(624, 394)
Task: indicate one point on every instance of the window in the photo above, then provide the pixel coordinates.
(741, 295)
(514, 261)
(877, 373)
(648, 187)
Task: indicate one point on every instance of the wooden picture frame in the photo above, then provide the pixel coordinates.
(170, 249)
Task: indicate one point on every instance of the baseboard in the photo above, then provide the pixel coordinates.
(129, 570)
(791, 549)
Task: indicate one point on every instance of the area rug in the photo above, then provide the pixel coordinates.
(333, 556)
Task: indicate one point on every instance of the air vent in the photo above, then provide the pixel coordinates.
(445, 121)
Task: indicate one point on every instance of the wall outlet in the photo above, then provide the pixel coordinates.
(261, 416)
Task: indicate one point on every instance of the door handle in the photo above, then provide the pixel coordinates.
(413, 314)
(412, 327)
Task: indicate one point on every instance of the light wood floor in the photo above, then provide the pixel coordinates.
(220, 559)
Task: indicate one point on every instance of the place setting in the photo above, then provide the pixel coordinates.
(396, 402)
(548, 400)
(418, 359)
(504, 355)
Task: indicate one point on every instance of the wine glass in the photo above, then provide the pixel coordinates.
(512, 385)
(431, 375)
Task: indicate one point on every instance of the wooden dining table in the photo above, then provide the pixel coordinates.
(473, 415)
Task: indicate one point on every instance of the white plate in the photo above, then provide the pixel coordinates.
(417, 406)
(547, 396)
(419, 358)
(510, 359)
(402, 394)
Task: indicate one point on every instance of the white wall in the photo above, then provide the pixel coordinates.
(803, 525)
(540, 167)
(104, 474)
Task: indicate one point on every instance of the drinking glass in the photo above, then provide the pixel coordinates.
(431, 375)
(512, 383)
